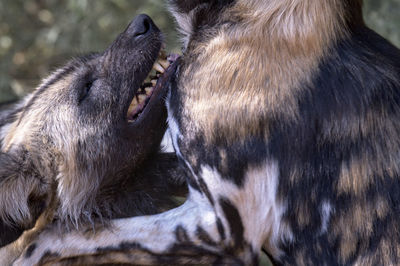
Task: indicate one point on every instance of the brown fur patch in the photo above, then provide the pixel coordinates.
(359, 174)
(386, 256)
(357, 222)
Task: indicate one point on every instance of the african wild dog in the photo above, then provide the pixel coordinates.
(286, 114)
(80, 149)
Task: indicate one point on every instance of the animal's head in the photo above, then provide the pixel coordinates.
(251, 56)
(93, 120)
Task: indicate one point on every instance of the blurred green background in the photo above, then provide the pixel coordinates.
(36, 36)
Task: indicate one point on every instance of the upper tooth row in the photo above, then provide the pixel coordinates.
(142, 98)
(165, 64)
(139, 99)
(161, 65)
(158, 67)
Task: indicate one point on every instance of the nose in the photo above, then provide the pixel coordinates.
(141, 25)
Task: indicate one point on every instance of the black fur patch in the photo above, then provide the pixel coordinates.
(48, 256)
(9, 233)
(179, 253)
(30, 250)
(235, 222)
(206, 191)
(221, 229)
(242, 156)
(184, 6)
(181, 234)
(204, 236)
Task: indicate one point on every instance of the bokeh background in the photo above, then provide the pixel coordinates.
(37, 36)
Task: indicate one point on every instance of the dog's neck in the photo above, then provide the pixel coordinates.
(270, 59)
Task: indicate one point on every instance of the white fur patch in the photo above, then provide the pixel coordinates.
(166, 143)
(326, 210)
(256, 202)
(3, 133)
(173, 127)
(156, 232)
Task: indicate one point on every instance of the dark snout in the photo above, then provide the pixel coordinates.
(141, 26)
(131, 56)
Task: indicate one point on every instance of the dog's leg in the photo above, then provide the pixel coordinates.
(187, 234)
(223, 223)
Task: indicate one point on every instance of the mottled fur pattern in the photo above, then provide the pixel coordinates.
(69, 153)
(285, 114)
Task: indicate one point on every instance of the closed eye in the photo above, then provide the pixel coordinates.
(84, 90)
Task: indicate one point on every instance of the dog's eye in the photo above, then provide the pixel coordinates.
(85, 90)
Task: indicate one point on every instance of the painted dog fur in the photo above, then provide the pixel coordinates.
(286, 116)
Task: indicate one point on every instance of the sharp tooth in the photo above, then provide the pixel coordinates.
(133, 105)
(148, 90)
(142, 98)
(153, 82)
(158, 67)
(164, 63)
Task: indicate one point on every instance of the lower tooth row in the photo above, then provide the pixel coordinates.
(158, 67)
(164, 63)
(133, 105)
(148, 90)
(142, 98)
(138, 99)
(161, 65)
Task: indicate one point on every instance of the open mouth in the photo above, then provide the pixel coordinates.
(146, 91)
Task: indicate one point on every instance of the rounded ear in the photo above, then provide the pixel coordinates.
(22, 195)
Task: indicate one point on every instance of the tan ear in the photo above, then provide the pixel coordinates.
(23, 193)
